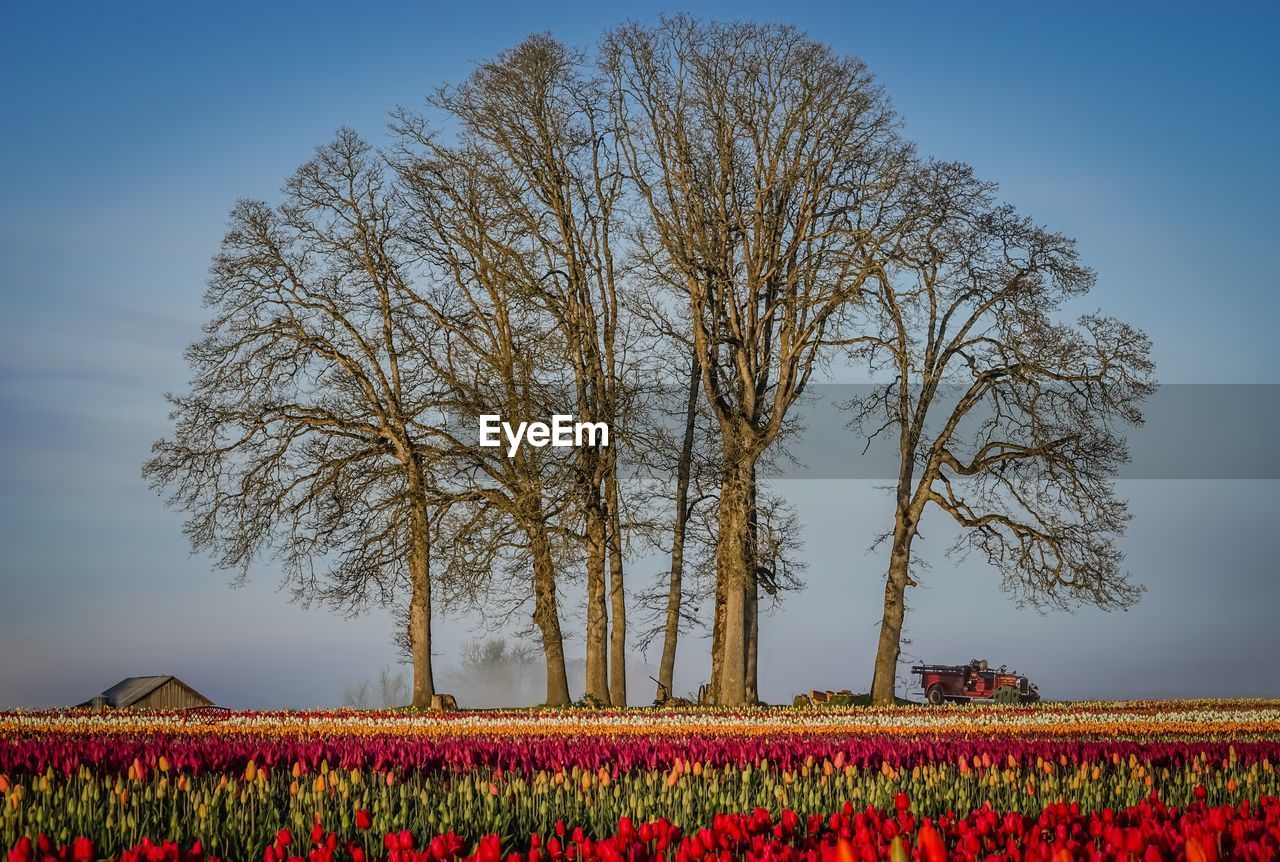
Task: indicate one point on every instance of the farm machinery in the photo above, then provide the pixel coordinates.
(961, 683)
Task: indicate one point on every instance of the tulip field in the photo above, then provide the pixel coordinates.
(1196, 780)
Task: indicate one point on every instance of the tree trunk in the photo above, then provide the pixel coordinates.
(597, 670)
(884, 681)
(753, 639)
(617, 589)
(753, 597)
(420, 598)
(717, 641)
(420, 629)
(734, 562)
(675, 586)
(546, 615)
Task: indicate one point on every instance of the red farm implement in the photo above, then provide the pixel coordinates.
(959, 683)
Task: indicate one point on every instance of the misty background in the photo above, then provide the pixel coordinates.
(1146, 131)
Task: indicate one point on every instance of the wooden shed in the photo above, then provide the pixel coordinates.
(149, 692)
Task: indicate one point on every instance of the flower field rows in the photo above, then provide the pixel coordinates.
(1195, 780)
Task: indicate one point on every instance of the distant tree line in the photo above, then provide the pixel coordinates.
(676, 234)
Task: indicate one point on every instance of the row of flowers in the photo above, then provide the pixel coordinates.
(1194, 718)
(97, 784)
(145, 753)
(233, 812)
(33, 742)
(1149, 831)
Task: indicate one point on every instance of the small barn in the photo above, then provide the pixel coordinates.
(149, 692)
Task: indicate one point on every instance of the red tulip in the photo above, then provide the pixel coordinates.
(489, 849)
(83, 850)
(930, 844)
(22, 851)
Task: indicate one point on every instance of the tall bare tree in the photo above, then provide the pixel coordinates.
(683, 506)
(767, 165)
(311, 398)
(677, 468)
(1006, 420)
(502, 354)
(534, 130)
(674, 439)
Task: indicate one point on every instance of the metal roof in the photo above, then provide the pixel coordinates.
(132, 689)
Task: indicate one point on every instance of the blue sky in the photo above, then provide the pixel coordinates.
(1148, 131)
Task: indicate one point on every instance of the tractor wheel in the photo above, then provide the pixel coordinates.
(1006, 694)
(935, 696)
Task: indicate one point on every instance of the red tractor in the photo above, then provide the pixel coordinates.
(961, 683)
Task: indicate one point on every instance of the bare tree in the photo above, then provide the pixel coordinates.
(677, 444)
(535, 137)
(494, 672)
(674, 438)
(1005, 419)
(683, 506)
(391, 689)
(357, 694)
(767, 165)
(500, 354)
(311, 398)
